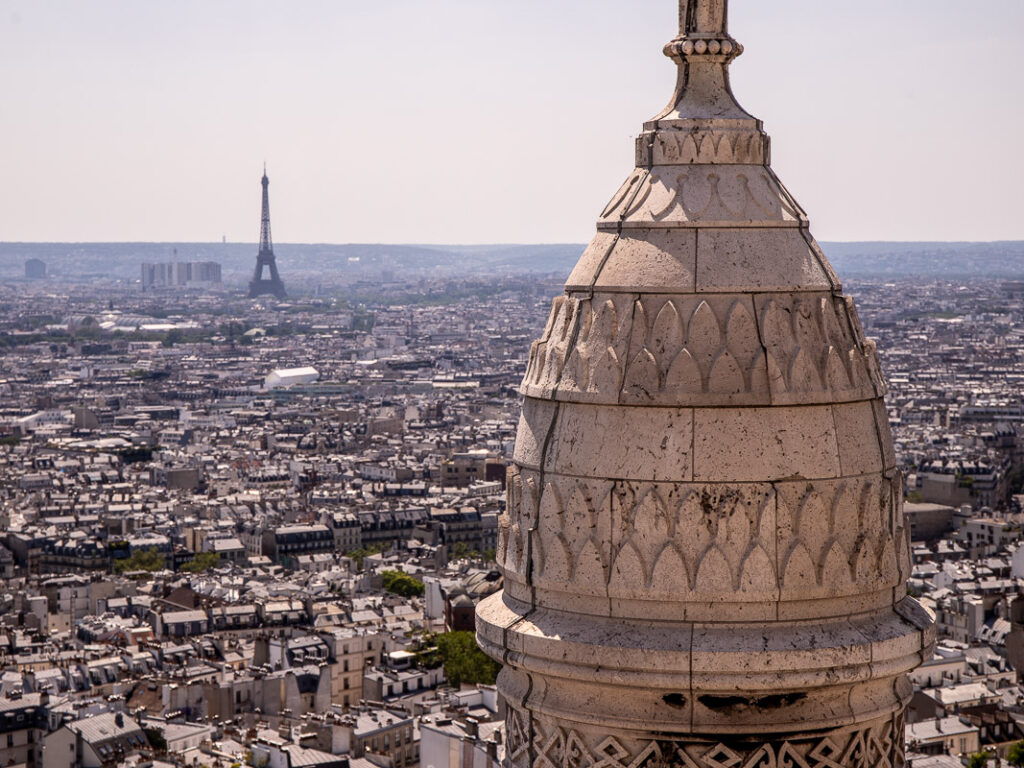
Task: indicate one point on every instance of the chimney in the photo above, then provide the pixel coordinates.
(261, 651)
(119, 720)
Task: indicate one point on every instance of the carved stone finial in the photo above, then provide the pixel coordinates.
(703, 50)
(705, 20)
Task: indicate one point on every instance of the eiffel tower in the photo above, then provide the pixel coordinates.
(260, 286)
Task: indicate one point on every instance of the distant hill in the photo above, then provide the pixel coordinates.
(997, 259)
(353, 262)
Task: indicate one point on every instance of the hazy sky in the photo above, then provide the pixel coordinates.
(483, 121)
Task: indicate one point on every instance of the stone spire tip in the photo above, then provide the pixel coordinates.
(703, 50)
(703, 31)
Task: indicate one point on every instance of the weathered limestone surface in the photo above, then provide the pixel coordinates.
(704, 550)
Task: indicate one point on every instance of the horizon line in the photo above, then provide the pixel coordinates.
(456, 245)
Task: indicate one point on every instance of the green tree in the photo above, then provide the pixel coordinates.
(156, 739)
(460, 551)
(1015, 479)
(174, 336)
(463, 660)
(358, 555)
(425, 648)
(141, 560)
(88, 332)
(403, 584)
(978, 760)
(203, 561)
(489, 555)
(1015, 754)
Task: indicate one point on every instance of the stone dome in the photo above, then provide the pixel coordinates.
(704, 546)
(481, 583)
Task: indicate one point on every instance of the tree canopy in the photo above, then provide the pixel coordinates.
(203, 561)
(141, 560)
(403, 584)
(1015, 754)
(156, 739)
(359, 554)
(463, 660)
(460, 550)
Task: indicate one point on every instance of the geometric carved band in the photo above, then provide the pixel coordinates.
(718, 540)
(648, 349)
(533, 745)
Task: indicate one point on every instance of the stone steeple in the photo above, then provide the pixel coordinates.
(704, 548)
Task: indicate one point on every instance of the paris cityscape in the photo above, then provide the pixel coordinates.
(204, 496)
(701, 491)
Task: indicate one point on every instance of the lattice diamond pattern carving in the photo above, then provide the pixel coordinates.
(873, 747)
